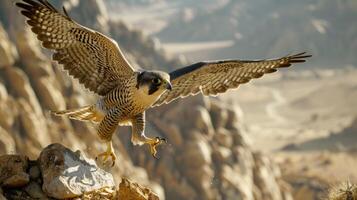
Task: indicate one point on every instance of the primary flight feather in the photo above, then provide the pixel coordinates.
(98, 63)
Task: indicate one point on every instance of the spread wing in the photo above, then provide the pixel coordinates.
(212, 78)
(94, 59)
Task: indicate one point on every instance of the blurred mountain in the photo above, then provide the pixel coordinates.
(267, 28)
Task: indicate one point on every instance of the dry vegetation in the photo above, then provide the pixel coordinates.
(345, 191)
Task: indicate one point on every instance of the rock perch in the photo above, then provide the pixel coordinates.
(63, 174)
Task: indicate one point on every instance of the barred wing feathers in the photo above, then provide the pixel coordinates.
(94, 59)
(212, 78)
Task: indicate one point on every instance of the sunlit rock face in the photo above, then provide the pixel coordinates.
(63, 174)
(67, 174)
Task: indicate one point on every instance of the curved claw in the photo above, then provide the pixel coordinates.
(108, 153)
(160, 140)
(153, 145)
(154, 155)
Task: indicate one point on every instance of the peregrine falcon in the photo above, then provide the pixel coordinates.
(125, 93)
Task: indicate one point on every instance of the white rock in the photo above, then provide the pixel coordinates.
(67, 174)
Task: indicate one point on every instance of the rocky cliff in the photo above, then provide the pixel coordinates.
(208, 155)
(60, 173)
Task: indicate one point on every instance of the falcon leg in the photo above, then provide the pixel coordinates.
(105, 131)
(138, 136)
(108, 153)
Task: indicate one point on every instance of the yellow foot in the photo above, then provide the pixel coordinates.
(153, 143)
(108, 153)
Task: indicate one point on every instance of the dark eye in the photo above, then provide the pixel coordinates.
(156, 81)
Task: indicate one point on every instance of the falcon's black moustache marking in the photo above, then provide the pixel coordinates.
(153, 88)
(146, 78)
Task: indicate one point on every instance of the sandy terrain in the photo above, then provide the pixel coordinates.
(280, 111)
(331, 167)
(304, 121)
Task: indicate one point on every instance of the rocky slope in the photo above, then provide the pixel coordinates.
(208, 155)
(60, 173)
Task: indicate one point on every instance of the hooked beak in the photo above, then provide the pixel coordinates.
(169, 86)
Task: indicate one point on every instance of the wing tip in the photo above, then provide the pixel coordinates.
(29, 5)
(66, 13)
(299, 58)
(23, 5)
(301, 55)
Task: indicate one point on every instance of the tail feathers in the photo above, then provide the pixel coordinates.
(83, 114)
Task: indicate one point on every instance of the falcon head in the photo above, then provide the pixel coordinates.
(153, 82)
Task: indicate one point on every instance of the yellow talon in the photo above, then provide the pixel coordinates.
(108, 153)
(153, 143)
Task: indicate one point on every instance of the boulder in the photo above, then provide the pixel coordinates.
(16, 194)
(21, 87)
(240, 137)
(179, 189)
(223, 137)
(235, 117)
(7, 49)
(3, 93)
(7, 108)
(34, 190)
(200, 120)
(13, 171)
(222, 155)
(49, 95)
(197, 151)
(28, 46)
(7, 143)
(34, 172)
(219, 115)
(133, 191)
(234, 185)
(61, 173)
(33, 61)
(266, 176)
(201, 178)
(67, 174)
(33, 125)
(244, 161)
